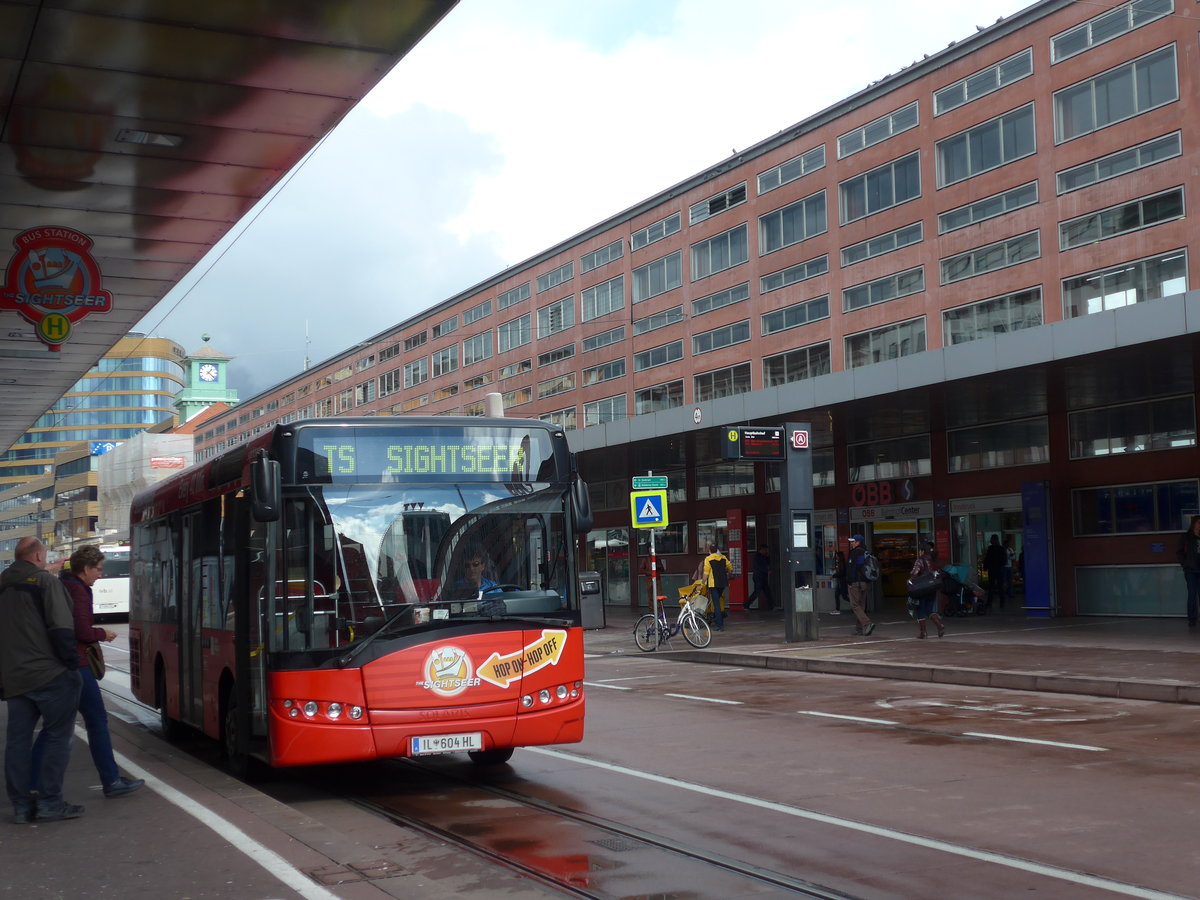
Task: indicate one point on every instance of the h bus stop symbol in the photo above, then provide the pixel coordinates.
(649, 509)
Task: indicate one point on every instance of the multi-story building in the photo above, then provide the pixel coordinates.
(48, 485)
(970, 277)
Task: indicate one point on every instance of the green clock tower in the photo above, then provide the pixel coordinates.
(204, 382)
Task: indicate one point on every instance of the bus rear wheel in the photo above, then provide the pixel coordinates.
(492, 757)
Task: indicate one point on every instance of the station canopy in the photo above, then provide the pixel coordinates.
(135, 134)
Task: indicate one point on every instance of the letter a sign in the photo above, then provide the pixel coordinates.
(649, 509)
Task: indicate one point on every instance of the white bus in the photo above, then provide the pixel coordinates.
(110, 595)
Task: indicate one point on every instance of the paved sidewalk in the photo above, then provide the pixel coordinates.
(1144, 659)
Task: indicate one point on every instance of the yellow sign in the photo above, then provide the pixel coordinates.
(648, 508)
(504, 670)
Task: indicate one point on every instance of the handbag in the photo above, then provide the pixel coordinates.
(95, 658)
(925, 585)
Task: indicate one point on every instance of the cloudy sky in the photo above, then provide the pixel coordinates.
(514, 125)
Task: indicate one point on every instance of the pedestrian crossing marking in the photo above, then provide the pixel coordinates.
(648, 509)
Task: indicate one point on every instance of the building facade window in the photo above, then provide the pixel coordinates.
(990, 258)
(663, 228)
(1108, 25)
(658, 277)
(658, 398)
(1133, 216)
(881, 290)
(475, 313)
(797, 365)
(441, 329)
(610, 409)
(882, 244)
(718, 203)
(878, 131)
(518, 368)
(1167, 423)
(416, 372)
(561, 275)
(888, 342)
(563, 418)
(906, 457)
(364, 393)
(988, 207)
(516, 333)
(794, 274)
(1125, 284)
(517, 397)
(603, 256)
(445, 361)
(658, 356)
(986, 146)
(477, 348)
(721, 299)
(719, 338)
(795, 315)
(881, 188)
(513, 296)
(720, 252)
(604, 372)
(604, 339)
(560, 385)
(997, 446)
(658, 320)
(1120, 93)
(796, 167)
(478, 381)
(984, 82)
(721, 382)
(604, 298)
(412, 343)
(558, 354)
(1119, 163)
(558, 316)
(792, 224)
(1133, 508)
(997, 315)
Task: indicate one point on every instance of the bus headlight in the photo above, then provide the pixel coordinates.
(544, 695)
(561, 691)
(334, 711)
(311, 708)
(356, 712)
(527, 701)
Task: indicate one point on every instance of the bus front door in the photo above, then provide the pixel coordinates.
(191, 701)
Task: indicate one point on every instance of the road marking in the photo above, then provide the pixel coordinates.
(629, 678)
(1020, 740)
(611, 687)
(275, 864)
(938, 844)
(705, 699)
(825, 715)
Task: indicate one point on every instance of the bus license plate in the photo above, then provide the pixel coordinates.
(447, 743)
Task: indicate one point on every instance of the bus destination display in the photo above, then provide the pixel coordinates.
(366, 455)
(754, 443)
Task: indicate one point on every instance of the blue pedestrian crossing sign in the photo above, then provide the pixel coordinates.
(649, 509)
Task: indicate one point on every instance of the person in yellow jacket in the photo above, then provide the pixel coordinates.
(717, 569)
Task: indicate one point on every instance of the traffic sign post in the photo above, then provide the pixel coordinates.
(649, 510)
(650, 482)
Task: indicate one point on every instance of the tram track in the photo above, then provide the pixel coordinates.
(578, 853)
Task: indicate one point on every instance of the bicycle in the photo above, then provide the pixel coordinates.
(652, 631)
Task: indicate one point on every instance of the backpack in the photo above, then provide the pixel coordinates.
(720, 574)
(870, 566)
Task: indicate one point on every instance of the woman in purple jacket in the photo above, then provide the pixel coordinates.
(86, 568)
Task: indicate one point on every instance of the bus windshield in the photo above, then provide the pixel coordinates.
(363, 553)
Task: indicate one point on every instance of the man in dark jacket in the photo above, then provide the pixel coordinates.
(38, 679)
(1188, 554)
(857, 585)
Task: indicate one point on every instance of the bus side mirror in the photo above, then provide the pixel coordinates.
(581, 506)
(264, 489)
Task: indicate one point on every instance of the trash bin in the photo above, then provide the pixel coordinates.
(591, 600)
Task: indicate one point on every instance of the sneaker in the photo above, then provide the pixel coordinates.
(858, 631)
(868, 628)
(835, 612)
(122, 786)
(23, 815)
(66, 811)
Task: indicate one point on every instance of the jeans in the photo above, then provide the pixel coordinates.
(1193, 589)
(95, 719)
(55, 703)
(714, 594)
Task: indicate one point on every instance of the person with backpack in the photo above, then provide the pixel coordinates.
(717, 569)
(861, 569)
(927, 603)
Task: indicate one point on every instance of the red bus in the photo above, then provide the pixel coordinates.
(315, 596)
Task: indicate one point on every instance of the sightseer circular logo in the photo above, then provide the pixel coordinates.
(448, 671)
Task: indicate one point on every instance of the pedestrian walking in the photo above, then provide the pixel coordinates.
(38, 680)
(839, 583)
(1188, 554)
(857, 584)
(927, 603)
(85, 568)
(717, 569)
(994, 561)
(762, 579)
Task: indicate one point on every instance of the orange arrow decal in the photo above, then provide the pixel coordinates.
(504, 670)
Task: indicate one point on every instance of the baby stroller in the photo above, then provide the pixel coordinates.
(696, 594)
(963, 596)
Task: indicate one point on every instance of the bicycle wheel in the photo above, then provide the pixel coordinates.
(695, 630)
(645, 633)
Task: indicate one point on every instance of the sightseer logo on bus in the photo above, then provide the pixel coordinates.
(449, 671)
(53, 282)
